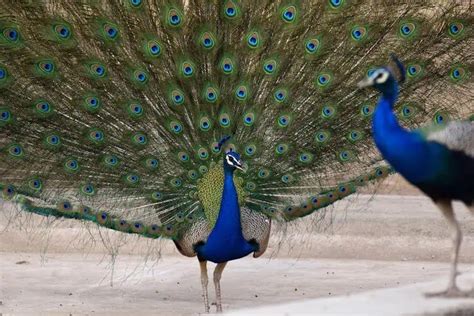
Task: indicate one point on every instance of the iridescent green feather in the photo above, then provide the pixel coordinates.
(121, 105)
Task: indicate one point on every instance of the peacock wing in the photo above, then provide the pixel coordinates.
(457, 135)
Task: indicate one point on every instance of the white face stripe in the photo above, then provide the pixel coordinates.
(379, 76)
(382, 78)
(231, 160)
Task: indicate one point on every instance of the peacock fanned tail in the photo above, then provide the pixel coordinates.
(112, 111)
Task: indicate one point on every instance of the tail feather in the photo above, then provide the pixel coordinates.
(147, 228)
(120, 106)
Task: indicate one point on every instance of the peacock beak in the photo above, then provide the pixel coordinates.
(364, 83)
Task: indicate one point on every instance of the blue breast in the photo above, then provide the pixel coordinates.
(226, 241)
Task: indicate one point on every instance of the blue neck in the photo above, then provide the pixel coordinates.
(407, 151)
(385, 125)
(226, 241)
(228, 219)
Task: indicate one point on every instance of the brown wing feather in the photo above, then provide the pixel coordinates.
(256, 226)
(198, 232)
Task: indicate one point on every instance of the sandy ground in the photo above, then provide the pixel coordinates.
(363, 244)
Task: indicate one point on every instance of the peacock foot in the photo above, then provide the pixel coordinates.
(452, 292)
(218, 307)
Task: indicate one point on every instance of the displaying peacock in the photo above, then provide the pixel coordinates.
(142, 116)
(437, 159)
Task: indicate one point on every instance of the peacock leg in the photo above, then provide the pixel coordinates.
(217, 283)
(471, 208)
(452, 291)
(204, 282)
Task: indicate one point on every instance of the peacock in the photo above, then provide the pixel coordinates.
(204, 121)
(437, 159)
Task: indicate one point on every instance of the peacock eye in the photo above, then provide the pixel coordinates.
(379, 75)
(231, 160)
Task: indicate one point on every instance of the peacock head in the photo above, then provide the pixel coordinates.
(233, 161)
(383, 78)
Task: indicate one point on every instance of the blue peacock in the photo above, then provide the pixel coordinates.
(437, 159)
(204, 121)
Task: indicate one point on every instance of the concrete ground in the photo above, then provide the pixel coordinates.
(372, 255)
(400, 300)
